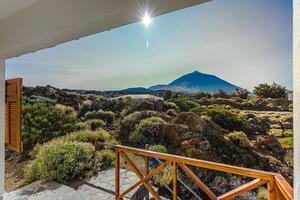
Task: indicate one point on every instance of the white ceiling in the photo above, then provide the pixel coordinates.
(31, 25)
(11, 7)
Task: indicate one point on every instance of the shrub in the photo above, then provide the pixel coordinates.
(66, 109)
(287, 142)
(262, 194)
(226, 118)
(106, 159)
(38, 99)
(41, 123)
(89, 136)
(94, 124)
(183, 103)
(158, 148)
(240, 138)
(288, 133)
(289, 158)
(107, 116)
(146, 131)
(242, 93)
(273, 91)
(200, 110)
(276, 132)
(132, 119)
(63, 161)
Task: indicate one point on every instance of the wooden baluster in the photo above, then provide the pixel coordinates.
(117, 174)
(175, 181)
(147, 169)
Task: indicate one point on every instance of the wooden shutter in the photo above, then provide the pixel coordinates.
(13, 98)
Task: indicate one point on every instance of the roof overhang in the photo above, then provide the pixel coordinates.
(47, 23)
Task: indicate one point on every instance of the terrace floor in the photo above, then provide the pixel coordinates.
(100, 187)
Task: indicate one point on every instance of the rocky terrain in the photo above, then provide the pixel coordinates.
(232, 130)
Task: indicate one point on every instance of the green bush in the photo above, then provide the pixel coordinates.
(106, 159)
(94, 124)
(239, 138)
(273, 91)
(226, 118)
(288, 133)
(42, 122)
(183, 103)
(38, 99)
(287, 142)
(276, 132)
(158, 148)
(200, 110)
(89, 136)
(146, 131)
(131, 120)
(262, 194)
(62, 162)
(107, 116)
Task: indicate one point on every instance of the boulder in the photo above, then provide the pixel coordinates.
(270, 143)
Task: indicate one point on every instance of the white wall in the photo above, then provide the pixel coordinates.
(296, 98)
(2, 121)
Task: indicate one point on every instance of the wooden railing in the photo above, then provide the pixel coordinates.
(278, 188)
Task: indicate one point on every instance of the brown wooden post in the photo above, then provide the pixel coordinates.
(146, 160)
(147, 168)
(117, 174)
(271, 190)
(174, 181)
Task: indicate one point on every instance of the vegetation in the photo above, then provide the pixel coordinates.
(132, 119)
(262, 194)
(226, 118)
(240, 138)
(89, 136)
(273, 91)
(146, 132)
(183, 103)
(158, 148)
(287, 142)
(107, 116)
(42, 122)
(63, 161)
(73, 152)
(106, 159)
(94, 124)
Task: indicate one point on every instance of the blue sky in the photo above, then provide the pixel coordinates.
(245, 42)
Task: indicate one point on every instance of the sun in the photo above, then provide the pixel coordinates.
(147, 19)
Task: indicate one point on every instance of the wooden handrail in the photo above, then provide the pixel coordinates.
(278, 187)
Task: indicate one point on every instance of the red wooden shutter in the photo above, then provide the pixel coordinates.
(13, 98)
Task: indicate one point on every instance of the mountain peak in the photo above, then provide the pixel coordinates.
(198, 82)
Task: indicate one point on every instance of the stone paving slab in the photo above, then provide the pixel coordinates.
(101, 187)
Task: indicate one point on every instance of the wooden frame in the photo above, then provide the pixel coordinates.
(278, 187)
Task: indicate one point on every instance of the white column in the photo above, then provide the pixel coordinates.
(2, 124)
(296, 99)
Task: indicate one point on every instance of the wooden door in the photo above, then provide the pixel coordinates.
(13, 98)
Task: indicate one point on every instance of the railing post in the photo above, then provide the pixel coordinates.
(174, 181)
(271, 190)
(117, 174)
(147, 169)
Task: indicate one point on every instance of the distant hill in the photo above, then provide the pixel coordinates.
(192, 83)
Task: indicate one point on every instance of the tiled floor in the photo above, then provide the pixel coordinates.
(101, 187)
